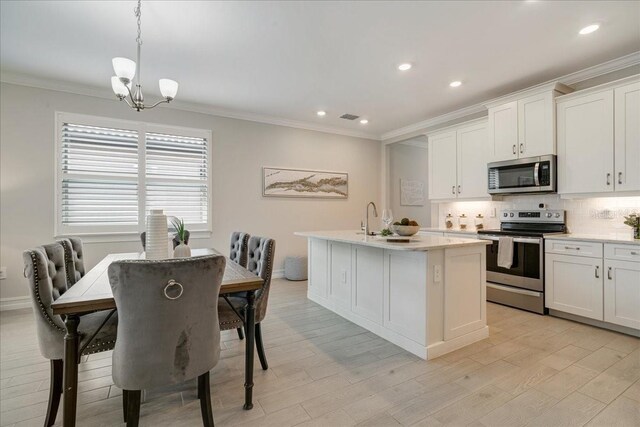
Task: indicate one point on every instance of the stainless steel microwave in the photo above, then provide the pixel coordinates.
(530, 175)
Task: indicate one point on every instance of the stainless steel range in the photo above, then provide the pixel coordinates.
(522, 285)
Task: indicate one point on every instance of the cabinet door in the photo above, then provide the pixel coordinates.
(627, 137)
(585, 144)
(340, 274)
(472, 164)
(318, 267)
(574, 285)
(503, 132)
(442, 166)
(535, 126)
(622, 293)
(368, 282)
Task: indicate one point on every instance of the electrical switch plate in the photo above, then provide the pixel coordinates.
(492, 214)
(437, 273)
(3, 273)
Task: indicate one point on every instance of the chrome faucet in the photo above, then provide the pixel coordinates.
(366, 221)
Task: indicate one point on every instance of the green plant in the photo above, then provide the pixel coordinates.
(632, 220)
(385, 232)
(181, 231)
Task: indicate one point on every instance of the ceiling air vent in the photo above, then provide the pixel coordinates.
(349, 117)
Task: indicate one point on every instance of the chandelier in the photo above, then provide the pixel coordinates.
(125, 70)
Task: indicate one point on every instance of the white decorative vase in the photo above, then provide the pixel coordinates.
(157, 240)
(182, 251)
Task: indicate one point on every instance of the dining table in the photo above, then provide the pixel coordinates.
(93, 293)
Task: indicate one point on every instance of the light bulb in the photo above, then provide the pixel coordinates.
(168, 88)
(124, 68)
(118, 87)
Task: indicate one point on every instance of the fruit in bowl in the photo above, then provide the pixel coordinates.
(405, 227)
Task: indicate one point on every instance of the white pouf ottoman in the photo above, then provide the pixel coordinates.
(295, 268)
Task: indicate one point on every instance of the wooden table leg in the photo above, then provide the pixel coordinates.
(70, 390)
(250, 323)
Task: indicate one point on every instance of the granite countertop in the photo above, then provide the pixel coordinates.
(450, 230)
(417, 243)
(601, 238)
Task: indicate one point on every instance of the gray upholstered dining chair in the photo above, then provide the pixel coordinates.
(73, 259)
(45, 269)
(261, 251)
(168, 329)
(238, 254)
(175, 241)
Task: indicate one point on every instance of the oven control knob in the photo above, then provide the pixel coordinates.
(511, 214)
(549, 214)
(557, 214)
(505, 214)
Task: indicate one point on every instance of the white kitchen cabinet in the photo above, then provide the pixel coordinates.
(457, 162)
(503, 131)
(472, 164)
(368, 282)
(585, 144)
(442, 166)
(627, 137)
(340, 274)
(523, 125)
(573, 284)
(622, 293)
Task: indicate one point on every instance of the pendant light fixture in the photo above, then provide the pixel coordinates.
(125, 70)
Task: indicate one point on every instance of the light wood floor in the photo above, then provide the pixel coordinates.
(326, 371)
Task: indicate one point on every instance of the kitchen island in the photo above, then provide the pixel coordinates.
(427, 296)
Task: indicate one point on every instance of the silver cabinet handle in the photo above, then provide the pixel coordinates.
(609, 273)
(597, 271)
(569, 247)
(608, 179)
(453, 189)
(521, 148)
(459, 189)
(514, 148)
(619, 177)
(634, 253)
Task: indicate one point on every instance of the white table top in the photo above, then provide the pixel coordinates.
(417, 243)
(602, 238)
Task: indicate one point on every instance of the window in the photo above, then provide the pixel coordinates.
(111, 173)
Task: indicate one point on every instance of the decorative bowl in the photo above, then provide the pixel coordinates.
(405, 230)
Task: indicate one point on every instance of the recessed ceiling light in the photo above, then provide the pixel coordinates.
(404, 67)
(455, 84)
(321, 113)
(589, 29)
(364, 121)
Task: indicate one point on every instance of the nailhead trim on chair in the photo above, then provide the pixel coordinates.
(67, 251)
(36, 277)
(97, 348)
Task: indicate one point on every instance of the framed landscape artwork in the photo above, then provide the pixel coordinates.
(282, 182)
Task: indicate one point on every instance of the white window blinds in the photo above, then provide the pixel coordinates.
(112, 172)
(99, 176)
(177, 176)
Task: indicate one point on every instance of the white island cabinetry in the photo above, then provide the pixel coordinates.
(427, 296)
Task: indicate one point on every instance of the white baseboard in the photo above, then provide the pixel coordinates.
(278, 274)
(15, 303)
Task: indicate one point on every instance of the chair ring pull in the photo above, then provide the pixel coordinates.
(171, 284)
(24, 271)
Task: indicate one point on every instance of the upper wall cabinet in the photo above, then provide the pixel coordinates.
(523, 125)
(599, 139)
(457, 162)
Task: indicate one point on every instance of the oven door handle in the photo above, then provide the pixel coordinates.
(536, 174)
(515, 239)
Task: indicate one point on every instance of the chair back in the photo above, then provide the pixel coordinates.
(175, 241)
(239, 248)
(261, 252)
(168, 330)
(74, 259)
(44, 268)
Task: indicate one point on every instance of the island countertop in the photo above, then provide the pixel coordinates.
(417, 243)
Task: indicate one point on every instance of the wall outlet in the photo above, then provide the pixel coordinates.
(3, 273)
(437, 273)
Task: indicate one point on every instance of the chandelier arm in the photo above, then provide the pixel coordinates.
(158, 103)
(135, 104)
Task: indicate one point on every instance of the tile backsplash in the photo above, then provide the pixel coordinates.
(600, 215)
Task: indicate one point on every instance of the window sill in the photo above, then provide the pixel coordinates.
(133, 236)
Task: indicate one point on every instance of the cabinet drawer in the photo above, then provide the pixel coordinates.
(572, 247)
(622, 252)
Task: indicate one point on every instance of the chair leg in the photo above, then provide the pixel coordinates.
(133, 407)
(204, 393)
(240, 333)
(260, 347)
(125, 403)
(55, 391)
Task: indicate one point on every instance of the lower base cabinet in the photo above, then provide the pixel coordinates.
(622, 293)
(574, 285)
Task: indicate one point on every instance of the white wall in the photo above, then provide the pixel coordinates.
(408, 162)
(240, 149)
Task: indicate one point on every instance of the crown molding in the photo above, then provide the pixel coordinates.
(414, 143)
(569, 79)
(87, 90)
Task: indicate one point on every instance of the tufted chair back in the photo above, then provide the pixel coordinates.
(261, 251)
(74, 259)
(168, 332)
(175, 241)
(46, 273)
(239, 248)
